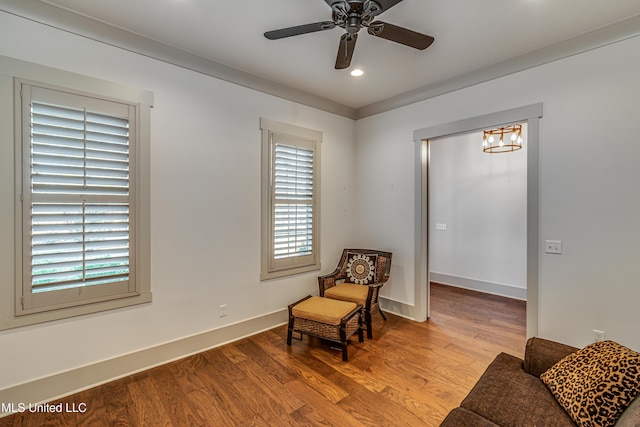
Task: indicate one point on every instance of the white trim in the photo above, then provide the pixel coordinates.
(604, 36)
(302, 132)
(16, 71)
(83, 26)
(493, 288)
(479, 122)
(66, 383)
(37, 73)
(531, 114)
(312, 139)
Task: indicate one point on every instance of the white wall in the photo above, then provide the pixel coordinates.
(482, 200)
(205, 212)
(589, 177)
(206, 165)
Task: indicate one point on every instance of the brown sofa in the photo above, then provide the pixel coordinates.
(510, 393)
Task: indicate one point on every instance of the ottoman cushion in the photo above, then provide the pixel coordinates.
(323, 310)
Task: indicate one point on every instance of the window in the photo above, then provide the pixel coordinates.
(80, 236)
(290, 208)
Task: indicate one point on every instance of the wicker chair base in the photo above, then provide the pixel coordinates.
(349, 325)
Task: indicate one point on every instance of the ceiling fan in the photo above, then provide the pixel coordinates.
(352, 15)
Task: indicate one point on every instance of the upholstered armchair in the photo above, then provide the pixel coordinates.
(358, 278)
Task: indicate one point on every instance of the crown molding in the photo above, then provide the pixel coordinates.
(43, 13)
(55, 17)
(613, 33)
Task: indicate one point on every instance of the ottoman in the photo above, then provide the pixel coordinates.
(325, 318)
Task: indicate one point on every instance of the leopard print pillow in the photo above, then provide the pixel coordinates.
(595, 385)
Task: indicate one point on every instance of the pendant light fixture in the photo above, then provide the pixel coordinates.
(513, 142)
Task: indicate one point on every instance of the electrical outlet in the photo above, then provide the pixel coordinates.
(222, 310)
(598, 335)
(553, 247)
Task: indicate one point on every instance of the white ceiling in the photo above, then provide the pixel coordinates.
(469, 35)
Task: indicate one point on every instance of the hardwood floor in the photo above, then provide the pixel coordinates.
(410, 374)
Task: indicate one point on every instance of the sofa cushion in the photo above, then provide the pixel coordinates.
(541, 354)
(631, 416)
(595, 384)
(461, 417)
(508, 396)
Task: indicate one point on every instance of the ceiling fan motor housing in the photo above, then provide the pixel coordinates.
(353, 25)
(354, 14)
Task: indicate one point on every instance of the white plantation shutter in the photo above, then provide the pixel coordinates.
(293, 201)
(76, 199)
(290, 199)
(75, 244)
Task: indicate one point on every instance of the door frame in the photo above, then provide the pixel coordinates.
(531, 114)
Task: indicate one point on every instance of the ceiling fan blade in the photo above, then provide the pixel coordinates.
(332, 2)
(345, 50)
(299, 29)
(400, 35)
(387, 4)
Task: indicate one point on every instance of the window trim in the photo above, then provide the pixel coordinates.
(19, 72)
(270, 269)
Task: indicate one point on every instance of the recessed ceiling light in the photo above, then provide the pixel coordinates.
(357, 72)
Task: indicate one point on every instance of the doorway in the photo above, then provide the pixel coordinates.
(477, 211)
(531, 116)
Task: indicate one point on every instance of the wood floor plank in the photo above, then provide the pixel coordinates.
(120, 417)
(307, 416)
(224, 366)
(234, 353)
(271, 386)
(115, 395)
(413, 402)
(409, 374)
(364, 378)
(223, 397)
(321, 404)
(210, 408)
(27, 419)
(262, 404)
(307, 369)
(96, 414)
(147, 407)
(254, 352)
(180, 411)
(363, 400)
(255, 421)
(184, 372)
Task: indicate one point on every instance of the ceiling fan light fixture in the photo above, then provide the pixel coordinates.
(357, 72)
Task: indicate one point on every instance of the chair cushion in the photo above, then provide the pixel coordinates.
(348, 292)
(323, 310)
(361, 268)
(595, 384)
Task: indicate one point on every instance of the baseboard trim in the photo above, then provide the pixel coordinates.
(480, 286)
(66, 383)
(399, 308)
